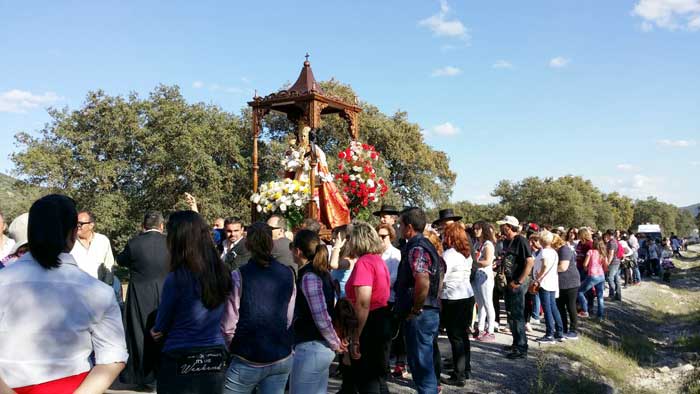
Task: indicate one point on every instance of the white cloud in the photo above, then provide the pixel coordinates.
(502, 64)
(197, 84)
(448, 71)
(559, 62)
(245, 80)
(19, 101)
(446, 129)
(443, 26)
(668, 14)
(636, 186)
(627, 167)
(646, 26)
(676, 143)
(695, 163)
(694, 23)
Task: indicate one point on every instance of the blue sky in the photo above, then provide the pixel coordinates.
(609, 90)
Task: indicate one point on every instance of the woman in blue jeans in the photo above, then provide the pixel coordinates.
(545, 273)
(257, 319)
(594, 263)
(315, 340)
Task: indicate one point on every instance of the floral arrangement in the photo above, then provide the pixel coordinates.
(294, 160)
(287, 197)
(357, 177)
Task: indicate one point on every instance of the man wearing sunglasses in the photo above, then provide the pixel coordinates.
(92, 251)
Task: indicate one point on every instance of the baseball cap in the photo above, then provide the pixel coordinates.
(510, 220)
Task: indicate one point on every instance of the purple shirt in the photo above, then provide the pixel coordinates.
(312, 288)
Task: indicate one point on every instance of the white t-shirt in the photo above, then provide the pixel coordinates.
(6, 246)
(392, 258)
(489, 268)
(550, 259)
(456, 284)
(99, 252)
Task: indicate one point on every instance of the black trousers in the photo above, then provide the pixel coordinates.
(566, 303)
(457, 317)
(368, 374)
(497, 297)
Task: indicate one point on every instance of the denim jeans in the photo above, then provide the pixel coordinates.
(536, 304)
(483, 292)
(590, 282)
(310, 369)
(614, 282)
(242, 377)
(515, 309)
(420, 332)
(551, 314)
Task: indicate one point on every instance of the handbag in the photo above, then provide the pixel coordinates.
(534, 287)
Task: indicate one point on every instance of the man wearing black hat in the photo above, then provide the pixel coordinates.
(388, 214)
(445, 217)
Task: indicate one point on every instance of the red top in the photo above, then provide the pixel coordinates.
(370, 270)
(581, 249)
(66, 385)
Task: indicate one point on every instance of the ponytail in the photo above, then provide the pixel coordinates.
(320, 261)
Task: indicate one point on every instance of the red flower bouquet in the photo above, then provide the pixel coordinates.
(357, 178)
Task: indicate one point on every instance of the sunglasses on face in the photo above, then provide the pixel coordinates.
(81, 224)
(383, 236)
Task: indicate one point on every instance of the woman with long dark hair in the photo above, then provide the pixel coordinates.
(484, 283)
(457, 300)
(258, 319)
(59, 315)
(193, 358)
(315, 340)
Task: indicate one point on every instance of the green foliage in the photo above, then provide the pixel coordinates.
(622, 210)
(567, 201)
(119, 157)
(16, 197)
(671, 218)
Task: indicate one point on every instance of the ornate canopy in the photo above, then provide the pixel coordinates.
(303, 103)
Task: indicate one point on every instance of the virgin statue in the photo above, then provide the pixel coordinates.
(332, 209)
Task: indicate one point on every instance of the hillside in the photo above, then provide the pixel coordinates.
(694, 209)
(15, 197)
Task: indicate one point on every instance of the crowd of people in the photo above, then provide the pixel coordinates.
(231, 308)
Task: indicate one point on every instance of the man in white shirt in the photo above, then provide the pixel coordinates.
(92, 252)
(6, 243)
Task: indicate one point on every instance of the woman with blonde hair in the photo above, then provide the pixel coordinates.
(457, 300)
(368, 288)
(545, 274)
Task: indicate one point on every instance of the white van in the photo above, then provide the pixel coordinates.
(650, 230)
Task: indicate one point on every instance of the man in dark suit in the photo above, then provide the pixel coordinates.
(233, 250)
(148, 260)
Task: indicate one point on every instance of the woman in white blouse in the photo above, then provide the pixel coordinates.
(545, 273)
(457, 300)
(59, 315)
